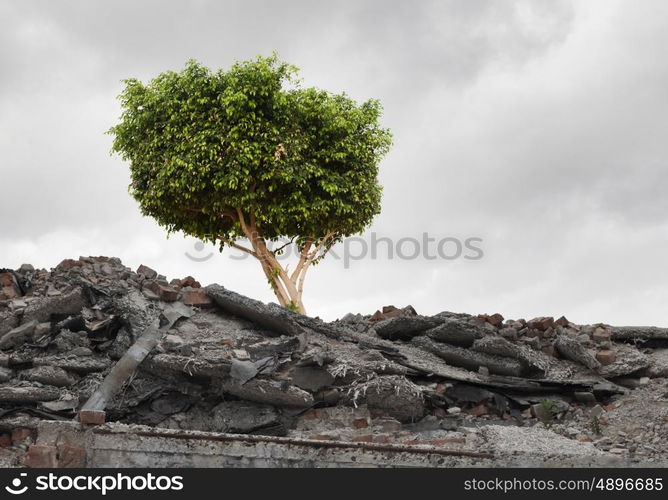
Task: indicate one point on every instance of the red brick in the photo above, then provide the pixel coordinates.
(20, 433)
(606, 357)
(147, 272)
(41, 456)
(360, 423)
(71, 457)
(69, 264)
(478, 410)
(91, 417)
(382, 438)
(562, 321)
(165, 292)
(600, 335)
(8, 288)
(377, 316)
(191, 282)
(5, 440)
(195, 297)
(495, 319)
(541, 323)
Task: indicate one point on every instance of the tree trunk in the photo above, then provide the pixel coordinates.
(284, 287)
(288, 288)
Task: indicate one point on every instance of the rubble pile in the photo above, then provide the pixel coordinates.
(213, 360)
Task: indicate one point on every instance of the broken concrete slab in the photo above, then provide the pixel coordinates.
(27, 393)
(41, 309)
(403, 327)
(576, 352)
(456, 332)
(535, 363)
(244, 370)
(244, 417)
(627, 361)
(658, 363)
(272, 316)
(187, 365)
(471, 360)
(8, 321)
(394, 396)
(18, 336)
(643, 333)
(268, 391)
(76, 364)
(6, 374)
(311, 378)
(49, 375)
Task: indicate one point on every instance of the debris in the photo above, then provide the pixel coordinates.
(393, 396)
(634, 333)
(242, 366)
(269, 391)
(195, 297)
(571, 349)
(18, 336)
(132, 358)
(147, 272)
(455, 332)
(27, 393)
(166, 293)
(42, 309)
(9, 287)
(272, 316)
(311, 378)
(403, 327)
(92, 417)
(49, 375)
(471, 360)
(606, 357)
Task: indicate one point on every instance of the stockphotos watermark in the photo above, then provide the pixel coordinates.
(101, 484)
(356, 248)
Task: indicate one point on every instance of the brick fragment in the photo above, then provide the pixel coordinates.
(92, 417)
(41, 456)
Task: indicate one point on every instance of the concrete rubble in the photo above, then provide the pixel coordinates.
(92, 340)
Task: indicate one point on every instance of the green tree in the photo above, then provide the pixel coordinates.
(247, 153)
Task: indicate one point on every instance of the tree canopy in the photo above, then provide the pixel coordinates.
(249, 153)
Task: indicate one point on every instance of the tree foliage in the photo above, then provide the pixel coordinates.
(248, 153)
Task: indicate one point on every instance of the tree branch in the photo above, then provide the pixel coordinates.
(239, 247)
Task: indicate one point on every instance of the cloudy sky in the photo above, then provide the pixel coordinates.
(537, 125)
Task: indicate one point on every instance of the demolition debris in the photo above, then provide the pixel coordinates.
(93, 341)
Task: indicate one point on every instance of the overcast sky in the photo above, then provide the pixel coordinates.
(539, 126)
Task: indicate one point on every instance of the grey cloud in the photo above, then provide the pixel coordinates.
(536, 124)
